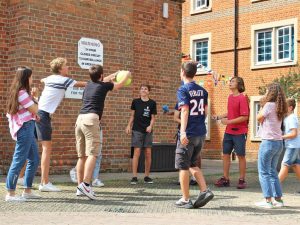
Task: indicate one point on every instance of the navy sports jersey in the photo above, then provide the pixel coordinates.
(195, 97)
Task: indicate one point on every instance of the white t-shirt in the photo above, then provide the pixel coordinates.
(54, 91)
(291, 122)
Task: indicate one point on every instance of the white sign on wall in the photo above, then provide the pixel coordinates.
(75, 93)
(90, 52)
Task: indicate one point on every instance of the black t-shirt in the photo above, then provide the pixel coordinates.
(143, 112)
(94, 96)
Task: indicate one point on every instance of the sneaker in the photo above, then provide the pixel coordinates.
(73, 175)
(87, 190)
(97, 183)
(148, 180)
(20, 181)
(15, 198)
(264, 204)
(181, 203)
(134, 180)
(31, 195)
(79, 193)
(241, 184)
(193, 182)
(48, 188)
(203, 198)
(278, 203)
(222, 182)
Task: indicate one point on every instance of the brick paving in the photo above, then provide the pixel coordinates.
(121, 203)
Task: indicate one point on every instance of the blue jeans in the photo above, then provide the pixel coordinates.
(99, 158)
(291, 157)
(268, 155)
(26, 148)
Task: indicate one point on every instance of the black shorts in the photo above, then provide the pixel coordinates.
(236, 143)
(43, 127)
(187, 156)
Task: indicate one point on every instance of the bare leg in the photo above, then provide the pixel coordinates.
(226, 165)
(197, 173)
(147, 161)
(89, 168)
(80, 169)
(284, 170)
(135, 161)
(184, 183)
(45, 161)
(242, 166)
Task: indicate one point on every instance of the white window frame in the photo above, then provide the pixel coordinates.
(208, 120)
(256, 47)
(195, 10)
(193, 40)
(274, 26)
(290, 47)
(253, 115)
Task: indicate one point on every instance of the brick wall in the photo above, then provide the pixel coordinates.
(135, 37)
(220, 22)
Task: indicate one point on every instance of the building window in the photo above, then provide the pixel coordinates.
(275, 44)
(200, 49)
(254, 124)
(264, 47)
(199, 6)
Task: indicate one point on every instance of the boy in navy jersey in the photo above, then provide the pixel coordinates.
(192, 102)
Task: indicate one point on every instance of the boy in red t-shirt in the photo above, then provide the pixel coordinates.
(236, 121)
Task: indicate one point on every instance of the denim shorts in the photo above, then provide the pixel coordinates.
(236, 143)
(43, 127)
(291, 157)
(187, 156)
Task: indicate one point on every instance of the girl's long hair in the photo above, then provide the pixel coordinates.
(275, 94)
(20, 81)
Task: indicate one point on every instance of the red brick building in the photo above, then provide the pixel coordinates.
(135, 37)
(255, 39)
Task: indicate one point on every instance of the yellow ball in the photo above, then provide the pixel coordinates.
(121, 75)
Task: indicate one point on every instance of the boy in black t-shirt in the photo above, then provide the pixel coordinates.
(87, 130)
(143, 111)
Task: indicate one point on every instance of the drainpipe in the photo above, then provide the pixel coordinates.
(236, 42)
(236, 37)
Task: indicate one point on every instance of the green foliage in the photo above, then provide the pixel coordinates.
(290, 84)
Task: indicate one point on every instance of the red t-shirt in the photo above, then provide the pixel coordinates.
(237, 106)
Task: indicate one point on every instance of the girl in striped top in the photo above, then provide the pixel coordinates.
(21, 114)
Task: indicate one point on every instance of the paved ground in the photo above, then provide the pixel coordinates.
(120, 203)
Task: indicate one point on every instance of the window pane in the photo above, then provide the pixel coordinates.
(286, 54)
(286, 38)
(280, 32)
(261, 58)
(280, 48)
(268, 57)
(280, 55)
(201, 52)
(286, 31)
(264, 46)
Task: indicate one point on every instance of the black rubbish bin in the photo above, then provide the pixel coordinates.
(163, 158)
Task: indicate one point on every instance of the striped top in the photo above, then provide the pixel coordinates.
(17, 120)
(54, 92)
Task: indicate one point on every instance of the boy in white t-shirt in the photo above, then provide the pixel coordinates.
(292, 143)
(52, 95)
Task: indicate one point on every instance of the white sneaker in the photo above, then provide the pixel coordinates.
(264, 204)
(73, 175)
(97, 183)
(79, 193)
(20, 181)
(278, 204)
(87, 190)
(31, 195)
(15, 198)
(48, 188)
